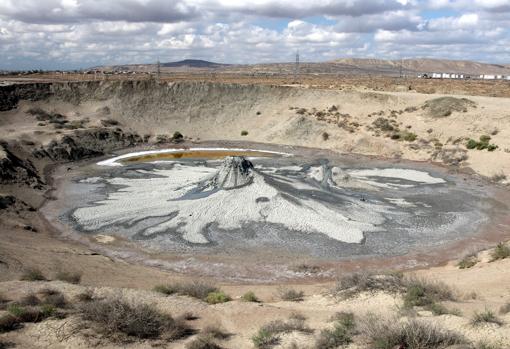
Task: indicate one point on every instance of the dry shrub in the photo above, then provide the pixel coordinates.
(29, 300)
(71, 277)
(415, 334)
(116, 316)
(292, 295)
(196, 289)
(269, 334)
(85, 296)
(485, 317)
(215, 331)
(203, 342)
(355, 283)
(33, 274)
(8, 323)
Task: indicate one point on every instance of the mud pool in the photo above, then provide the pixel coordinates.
(237, 202)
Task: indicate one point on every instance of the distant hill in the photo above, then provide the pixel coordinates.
(423, 65)
(344, 66)
(184, 65)
(193, 63)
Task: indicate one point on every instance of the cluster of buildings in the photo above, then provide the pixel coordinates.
(463, 76)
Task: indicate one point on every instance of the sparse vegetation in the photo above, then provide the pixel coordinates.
(501, 251)
(482, 144)
(306, 268)
(85, 296)
(468, 261)
(269, 334)
(217, 297)
(263, 339)
(115, 317)
(341, 334)
(389, 334)
(250, 297)
(325, 136)
(352, 284)
(203, 342)
(69, 276)
(292, 295)
(33, 274)
(485, 317)
(424, 293)
(244, 133)
(196, 289)
(109, 122)
(444, 106)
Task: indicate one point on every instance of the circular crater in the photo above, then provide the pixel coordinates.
(238, 205)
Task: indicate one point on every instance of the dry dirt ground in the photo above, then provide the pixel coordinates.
(343, 120)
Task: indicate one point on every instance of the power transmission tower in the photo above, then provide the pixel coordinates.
(296, 67)
(159, 71)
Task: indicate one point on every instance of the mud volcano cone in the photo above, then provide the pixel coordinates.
(235, 172)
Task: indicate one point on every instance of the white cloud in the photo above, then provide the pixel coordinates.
(81, 33)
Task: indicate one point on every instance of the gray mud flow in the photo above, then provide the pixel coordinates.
(288, 208)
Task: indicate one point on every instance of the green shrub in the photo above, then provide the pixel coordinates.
(250, 297)
(409, 136)
(501, 251)
(325, 136)
(482, 144)
(244, 133)
(32, 274)
(217, 297)
(333, 338)
(420, 292)
(468, 261)
(70, 277)
(263, 339)
(485, 317)
(177, 136)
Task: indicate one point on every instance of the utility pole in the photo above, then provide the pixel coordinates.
(401, 68)
(296, 67)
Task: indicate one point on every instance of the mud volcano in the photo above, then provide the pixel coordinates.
(294, 206)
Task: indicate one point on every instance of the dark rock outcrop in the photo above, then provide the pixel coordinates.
(87, 143)
(15, 170)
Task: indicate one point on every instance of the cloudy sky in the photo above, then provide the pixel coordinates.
(67, 34)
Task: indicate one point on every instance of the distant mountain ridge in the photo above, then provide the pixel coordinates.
(353, 66)
(428, 65)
